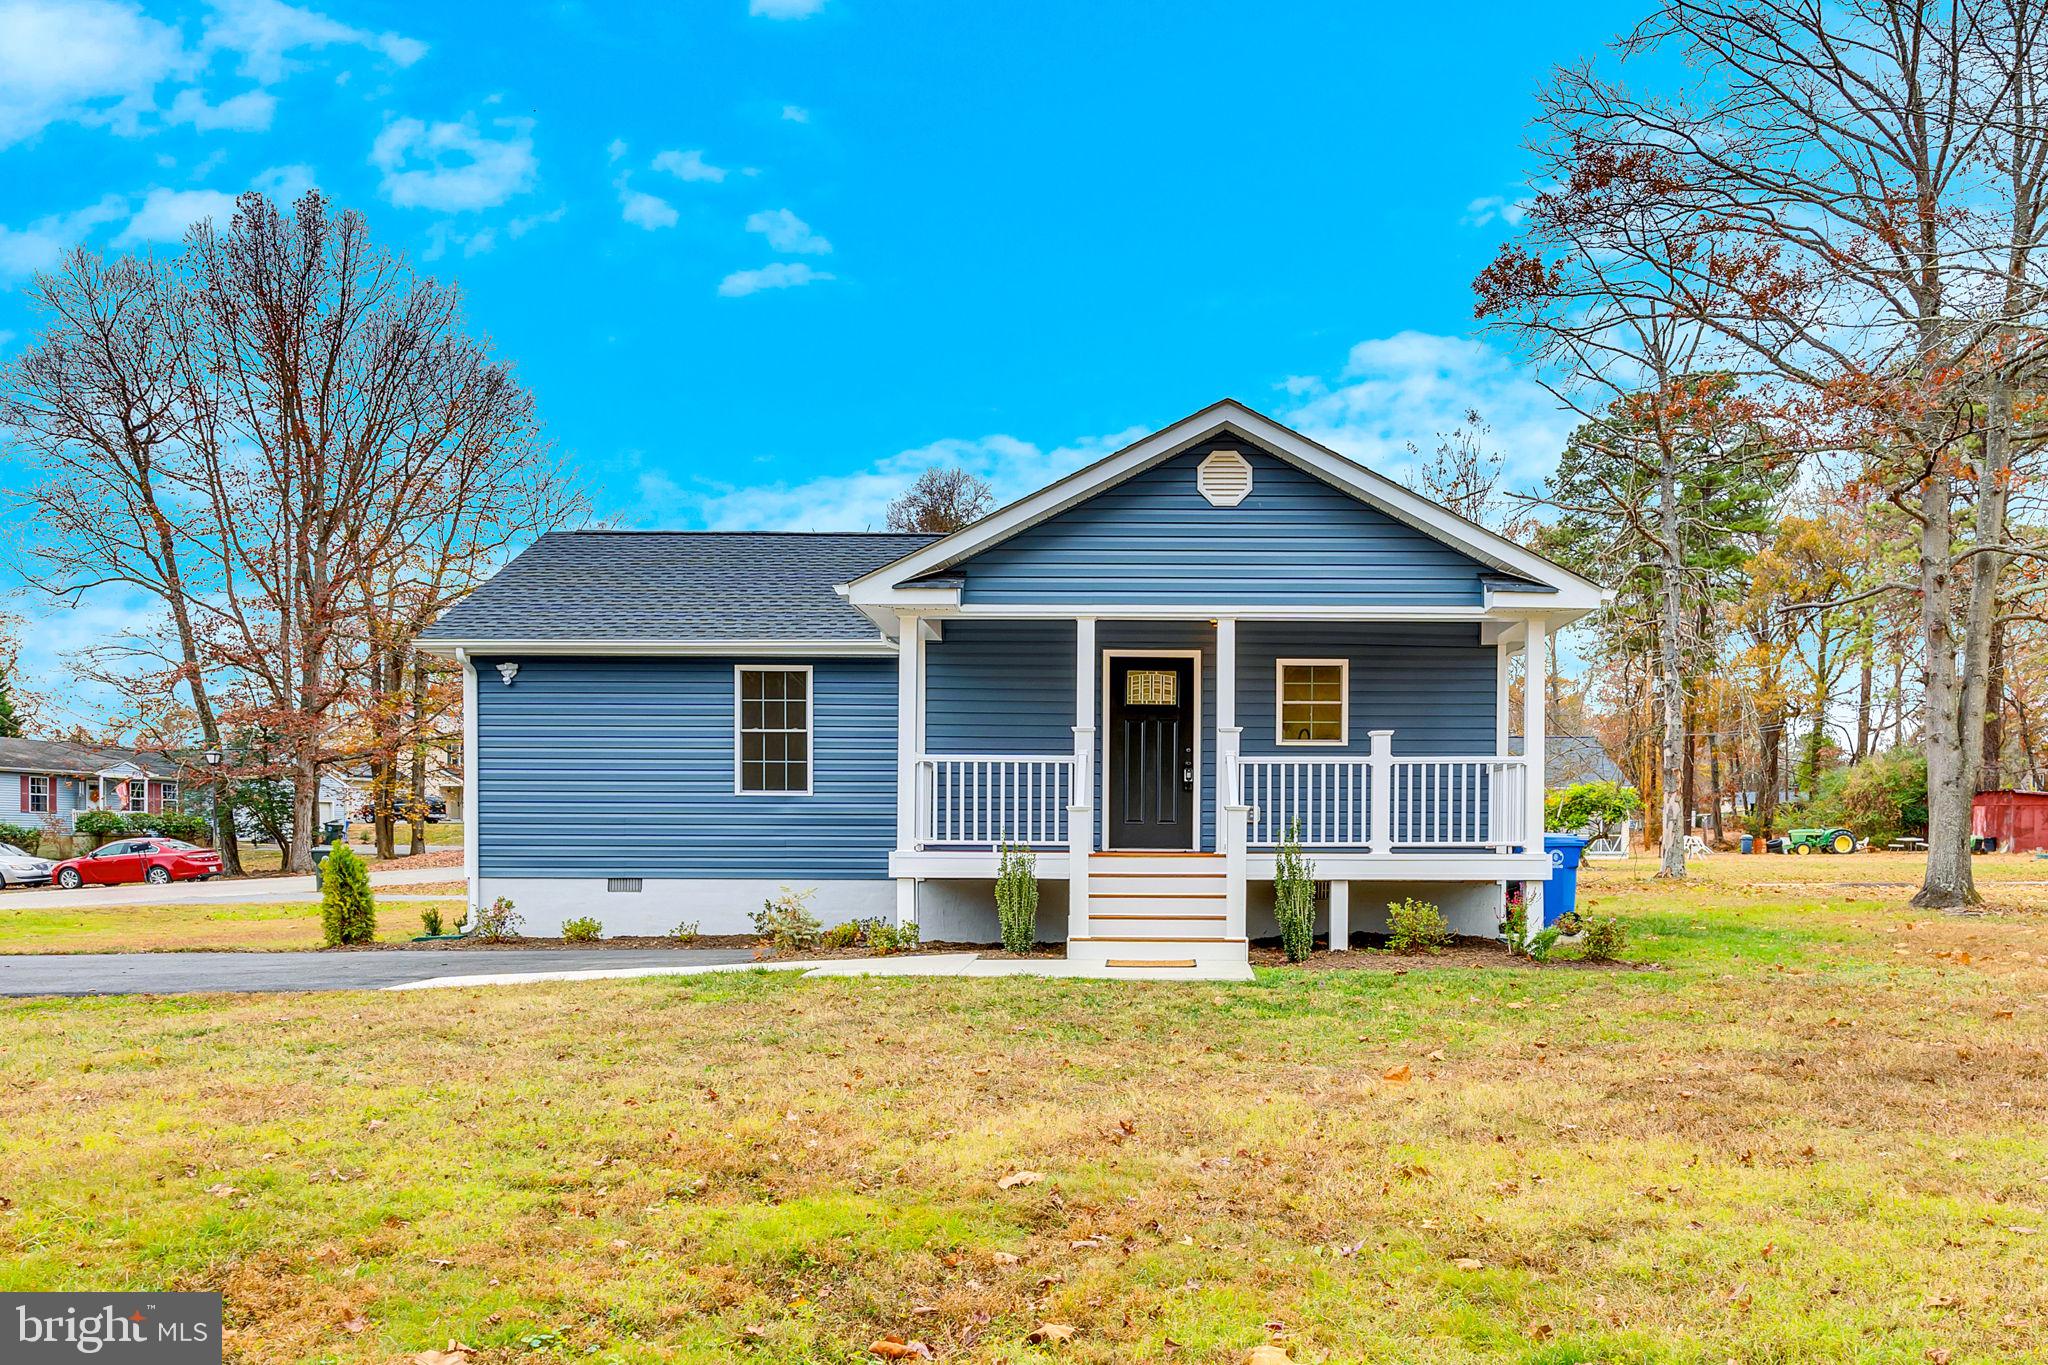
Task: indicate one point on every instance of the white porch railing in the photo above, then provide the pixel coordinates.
(1382, 804)
(984, 800)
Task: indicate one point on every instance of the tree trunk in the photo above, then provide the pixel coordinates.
(1672, 862)
(1688, 785)
(1714, 785)
(1866, 648)
(1770, 779)
(1991, 767)
(1947, 882)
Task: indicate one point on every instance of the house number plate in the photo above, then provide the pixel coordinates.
(1152, 687)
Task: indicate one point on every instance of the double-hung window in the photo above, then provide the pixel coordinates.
(1313, 705)
(39, 796)
(772, 730)
(167, 795)
(138, 795)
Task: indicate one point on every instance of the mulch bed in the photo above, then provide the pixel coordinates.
(1464, 951)
(742, 941)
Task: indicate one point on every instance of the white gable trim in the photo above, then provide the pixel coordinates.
(1571, 593)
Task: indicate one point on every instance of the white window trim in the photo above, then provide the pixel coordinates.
(49, 794)
(1280, 667)
(810, 727)
(167, 793)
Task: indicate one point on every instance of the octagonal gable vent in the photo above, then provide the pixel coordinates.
(1224, 478)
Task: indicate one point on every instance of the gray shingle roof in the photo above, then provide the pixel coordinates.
(63, 757)
(677, 585)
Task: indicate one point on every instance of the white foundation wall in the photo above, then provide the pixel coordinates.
(717, 906)
(965, 912)
(1471, 908)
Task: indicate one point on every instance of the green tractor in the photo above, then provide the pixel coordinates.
(1804, 841)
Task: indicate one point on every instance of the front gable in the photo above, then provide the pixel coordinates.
(1294, 539)
(1314, 532)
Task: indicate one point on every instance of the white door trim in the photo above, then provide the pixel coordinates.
(1102, 743)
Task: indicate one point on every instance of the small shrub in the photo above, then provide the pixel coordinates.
(1294, 897)
(787, 923)
(582, 929)
(1415, 926)
(498, 921)
(689, 931)
(885, 937)
(430, 921)
(348, 909)
(1017, 898)
(841, 936)
(1606, 938)
(27, 838)
(100, 825)
(169, 824)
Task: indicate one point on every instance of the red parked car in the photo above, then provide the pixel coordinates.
(154, 860)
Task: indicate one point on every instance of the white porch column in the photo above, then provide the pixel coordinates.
(1503, 708)
(1081, 808)
(471, 808)
(1379, 776)
(1534, 662)
(1340, 916)
(909, 748)
(1231, 812)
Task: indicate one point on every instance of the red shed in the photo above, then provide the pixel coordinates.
(2017, 820)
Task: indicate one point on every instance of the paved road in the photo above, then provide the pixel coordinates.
(178, 973)
(233, 890)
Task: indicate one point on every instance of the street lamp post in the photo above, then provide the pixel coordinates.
(213, 762)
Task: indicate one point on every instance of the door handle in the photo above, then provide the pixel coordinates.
(1187, 775)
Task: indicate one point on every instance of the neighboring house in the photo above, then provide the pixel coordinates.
(46, 782)
(1148, 672)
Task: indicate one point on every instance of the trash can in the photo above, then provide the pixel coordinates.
(1562, 894)
(1748, 843)
(334, 832)
(320, 852)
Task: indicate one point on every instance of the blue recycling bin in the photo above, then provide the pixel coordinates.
(1562, 894)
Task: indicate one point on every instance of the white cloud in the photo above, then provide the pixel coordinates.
(454, 167)
(617, 151)
(41, 244)
(787, 232)
(795, 113)
(1411, 386)
(784, 9)
(777, 275)
(89, 61)
(519, 227)
(857, 500)
(166, 214)
(644, 210)
(268, 32)
(1488, 208)
(688, 166)
(248, 112)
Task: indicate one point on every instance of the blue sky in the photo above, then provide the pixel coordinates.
(761, 260)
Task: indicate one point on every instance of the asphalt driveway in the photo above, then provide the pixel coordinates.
(179, 973)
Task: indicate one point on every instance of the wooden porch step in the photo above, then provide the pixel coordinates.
(1192, 919)
(1187, 963)
(1157, 895)
(1140, 938)
(1174, 876)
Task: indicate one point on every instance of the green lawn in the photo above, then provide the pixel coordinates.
(28, 925)
(1815, 1133)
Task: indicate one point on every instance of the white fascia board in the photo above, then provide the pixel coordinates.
(1572, 591)
(679, 648)
(1209, 611)
(881, 603)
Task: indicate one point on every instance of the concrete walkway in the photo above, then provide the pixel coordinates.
(913, 964)
(225, 891)
(179, 973)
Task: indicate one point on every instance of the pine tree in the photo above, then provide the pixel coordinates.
(348, 910)
(10, 724)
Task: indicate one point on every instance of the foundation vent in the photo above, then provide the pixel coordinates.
(622, 884)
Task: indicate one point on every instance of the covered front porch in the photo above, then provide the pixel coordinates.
(1157, 762)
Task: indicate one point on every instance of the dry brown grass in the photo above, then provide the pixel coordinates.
(1817, 1135)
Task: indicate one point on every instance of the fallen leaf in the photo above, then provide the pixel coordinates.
(896, 1348)
(1016, 1178)
(1937, 1356)
(356, 1323)
(1051, 1333)
(1468, 1263)
(1397, 1073)
(1006, 1258)
(456, 1354)
(1267, 1355)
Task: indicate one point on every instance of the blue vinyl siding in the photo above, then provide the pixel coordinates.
(1433, 685)
(1154, 539)
(623, 767)
(1000, 687)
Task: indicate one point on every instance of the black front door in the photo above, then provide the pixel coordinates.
(1151, 753)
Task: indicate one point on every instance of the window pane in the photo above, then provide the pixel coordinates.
(750, 746)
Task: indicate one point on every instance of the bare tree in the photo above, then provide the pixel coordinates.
(941, 501)
(103, 404)
(1463, 472)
